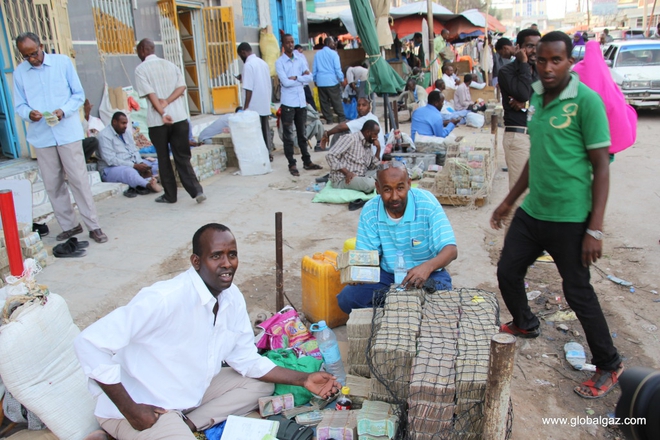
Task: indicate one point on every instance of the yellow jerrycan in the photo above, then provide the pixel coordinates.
(320, 287)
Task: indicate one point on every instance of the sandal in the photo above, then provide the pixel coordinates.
(597, 386)
(270, 157)
(312, 166)
(514, 330)
(294, 170)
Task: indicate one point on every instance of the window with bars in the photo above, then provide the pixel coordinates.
(250, 13)
(113, 23)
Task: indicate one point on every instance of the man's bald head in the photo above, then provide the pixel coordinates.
(145, 48)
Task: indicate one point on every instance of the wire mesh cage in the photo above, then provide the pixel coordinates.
(427, 354)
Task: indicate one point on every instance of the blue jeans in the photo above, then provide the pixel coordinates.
(360, 296)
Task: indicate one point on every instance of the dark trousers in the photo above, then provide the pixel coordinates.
(265, 131)
(90, 146)
(526, 239)
(294, 116)
(330, 97)
(309, 97)
(360, 296)
(174, 137)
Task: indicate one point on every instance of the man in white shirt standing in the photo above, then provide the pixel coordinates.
(258, 89)
(293, 74)
(162, 83)
(156, 363)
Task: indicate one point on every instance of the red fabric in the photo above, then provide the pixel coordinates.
(133, 104)
(413, 23)
(595, 74)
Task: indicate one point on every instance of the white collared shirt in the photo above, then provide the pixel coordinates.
(256, 77)
(159, 76)
(292, 93)
(164, 348)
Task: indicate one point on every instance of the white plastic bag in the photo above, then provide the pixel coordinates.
(475, 120)
(40, 369)
(249, 145)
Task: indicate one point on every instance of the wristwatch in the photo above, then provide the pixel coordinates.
(598, 235)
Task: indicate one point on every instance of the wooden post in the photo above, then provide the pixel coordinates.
(279, 263)
(498, 387)
(493, 124)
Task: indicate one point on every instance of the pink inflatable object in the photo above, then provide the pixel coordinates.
(595, 74)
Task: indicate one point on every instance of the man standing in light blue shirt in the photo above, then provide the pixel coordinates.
(428, 120)
(327, 76)
(48, 95)
(407, 220)
(293, 74)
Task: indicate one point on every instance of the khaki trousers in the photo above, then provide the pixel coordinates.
(366, 184)
(228, 394)
(516, 153)
(56, 162)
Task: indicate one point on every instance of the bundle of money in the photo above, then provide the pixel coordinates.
(338, 425)
(271, 405)
(377, 419)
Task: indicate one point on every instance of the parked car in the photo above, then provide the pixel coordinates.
(627, 34)
(635, 67)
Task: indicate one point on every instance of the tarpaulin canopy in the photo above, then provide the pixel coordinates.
(494, 24)
(382, 78)
(460, 28)
(413, 23)
(418, 8)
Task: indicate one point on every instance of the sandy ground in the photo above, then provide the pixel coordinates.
(150, 241)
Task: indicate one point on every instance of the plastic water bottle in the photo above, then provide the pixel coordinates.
(575, 355)
(330, 351)
(400, 270)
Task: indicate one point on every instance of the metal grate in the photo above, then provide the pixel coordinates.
(220, 46)
(113, 23)
(250, 13)
(34, 16)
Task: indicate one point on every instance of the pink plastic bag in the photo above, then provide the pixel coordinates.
(286, 330)
(595, 74)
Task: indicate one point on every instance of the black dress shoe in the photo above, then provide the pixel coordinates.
(143, 191)
(163, 199)
(356, 204)
(41, 228)
(130, 193)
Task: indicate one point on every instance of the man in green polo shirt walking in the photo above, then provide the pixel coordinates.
(568, 179)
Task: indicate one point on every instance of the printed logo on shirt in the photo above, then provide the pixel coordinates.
(530, 112)
(416, 242)
(569, 110)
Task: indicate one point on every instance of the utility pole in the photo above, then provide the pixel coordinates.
(646, 18)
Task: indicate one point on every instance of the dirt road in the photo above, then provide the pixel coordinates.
(151, 242)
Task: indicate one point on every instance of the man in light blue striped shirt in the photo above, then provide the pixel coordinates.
(407, 220)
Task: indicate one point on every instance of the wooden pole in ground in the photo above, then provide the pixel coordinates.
(279, 263)
(498, 387)
(493, 124)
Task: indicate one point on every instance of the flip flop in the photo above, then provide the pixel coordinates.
(68, 250)
(78, 244)
(598, 389)
(356, 204)
(294, 170)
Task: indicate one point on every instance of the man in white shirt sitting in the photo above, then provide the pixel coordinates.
(346, 127)
(156, 363)
(448, 77)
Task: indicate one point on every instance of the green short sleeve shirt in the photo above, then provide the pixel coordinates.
(560, 173)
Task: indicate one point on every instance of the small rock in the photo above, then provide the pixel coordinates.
(528, 357)
(525, 346)
(562, 327)
(575, 333)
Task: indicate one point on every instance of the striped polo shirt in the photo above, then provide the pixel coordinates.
(421, 233)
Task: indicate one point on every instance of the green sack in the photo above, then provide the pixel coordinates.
(333, 195)
(287, 359)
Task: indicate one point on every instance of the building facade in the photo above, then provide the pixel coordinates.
(527, 12)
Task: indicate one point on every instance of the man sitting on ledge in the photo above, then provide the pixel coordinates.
(403, 219)
(428, 120)
(157, 363)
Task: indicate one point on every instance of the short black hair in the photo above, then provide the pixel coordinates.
(467, 78)
(534, 24)
(28, 35)
(520, 39)
(297, 46)
(117, 115)
(244, 47)
(502, 43)
(369, 125)
(607, 31)
(417, 35)
(435, 97)
(287, 35)
(196, 241)
(446, 66)
(438, 83)
(554, 36)
(328, 40)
